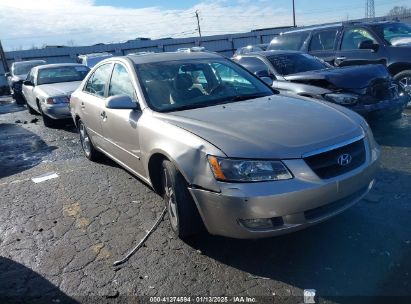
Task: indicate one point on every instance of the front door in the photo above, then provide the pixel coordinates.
(349, 52)
(120, 126)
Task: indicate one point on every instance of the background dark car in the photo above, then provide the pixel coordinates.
(356, 43)
(17, 75)
(369, 90)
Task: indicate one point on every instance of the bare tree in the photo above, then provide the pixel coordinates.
(399, 11)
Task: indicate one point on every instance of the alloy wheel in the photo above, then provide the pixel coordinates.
(85, 140)
(170, 200)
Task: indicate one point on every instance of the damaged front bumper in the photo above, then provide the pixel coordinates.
(385, 109)
(288, 205)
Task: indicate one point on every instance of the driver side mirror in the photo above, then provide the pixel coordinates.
(263, 73)
(28, 83)
(265, 76)
(368, 45)
(8, 74)
(123, 102)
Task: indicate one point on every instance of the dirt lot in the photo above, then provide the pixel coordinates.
(59, 238)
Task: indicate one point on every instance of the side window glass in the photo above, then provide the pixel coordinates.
(292, 41)
(120, 83)
(322, 41)
(353, 37)
(97, 82)
(253, 64)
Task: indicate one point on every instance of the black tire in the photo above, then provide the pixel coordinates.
(404, 78)
(182, 210)
(87, 146)
(19, 98)
(48, 121)
(31, 110)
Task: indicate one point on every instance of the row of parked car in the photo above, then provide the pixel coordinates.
(224, 148)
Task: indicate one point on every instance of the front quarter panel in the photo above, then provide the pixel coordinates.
(187, 151)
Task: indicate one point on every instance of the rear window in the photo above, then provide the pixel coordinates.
(288, 41)
(62, 74)
(286, 64)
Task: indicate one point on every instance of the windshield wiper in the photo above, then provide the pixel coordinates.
(246, 97)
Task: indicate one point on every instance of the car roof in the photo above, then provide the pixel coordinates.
(335, 25)
(28, 61)
(169, 56)
(56, 65)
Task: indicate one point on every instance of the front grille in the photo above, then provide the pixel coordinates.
(319, 212)
(326, 164)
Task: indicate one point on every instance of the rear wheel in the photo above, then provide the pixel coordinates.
(31, 110)
(19, 98)
(184, 217)
(48, 121)
(88, 148)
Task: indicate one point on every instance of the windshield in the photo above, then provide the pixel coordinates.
(24, 68)
(62, 74)
(286, 64)
(187, 84)
(393, 33)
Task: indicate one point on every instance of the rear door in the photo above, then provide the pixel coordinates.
(92, 102)
(349, 52)
(120, 126)
(323, 44)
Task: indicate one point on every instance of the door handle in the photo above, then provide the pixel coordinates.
(103, 115)
(341, 58)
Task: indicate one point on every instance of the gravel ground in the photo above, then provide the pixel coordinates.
(59, 238)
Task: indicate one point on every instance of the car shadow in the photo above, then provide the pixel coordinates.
(354, 253)
(19, 284)
(394, 134)
(20, 149)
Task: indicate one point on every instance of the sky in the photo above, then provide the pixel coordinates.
(25, 24)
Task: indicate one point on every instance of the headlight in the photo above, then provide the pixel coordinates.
(242, 170)
(59, 99)
(342, 98)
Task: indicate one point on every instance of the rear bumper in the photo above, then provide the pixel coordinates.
(290, 204)
(57, 111)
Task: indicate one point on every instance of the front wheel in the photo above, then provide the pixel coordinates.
(184, 217)
(404, 79)
(88, 148)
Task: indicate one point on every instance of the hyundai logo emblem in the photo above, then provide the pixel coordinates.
(344, 159)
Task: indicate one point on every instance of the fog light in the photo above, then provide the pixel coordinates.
(257, 223)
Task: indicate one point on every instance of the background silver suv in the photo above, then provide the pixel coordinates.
(221, 147)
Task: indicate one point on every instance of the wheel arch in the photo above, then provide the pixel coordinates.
(399, 67)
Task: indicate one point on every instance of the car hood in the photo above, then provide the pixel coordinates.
(356, 77)
(58, 89)
(276, 127)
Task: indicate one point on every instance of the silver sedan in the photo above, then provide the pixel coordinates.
(224, 150)
(47, 89)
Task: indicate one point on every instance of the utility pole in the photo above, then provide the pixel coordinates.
(198, 24)
(3, 59)
(369, 9)
(294, 13)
